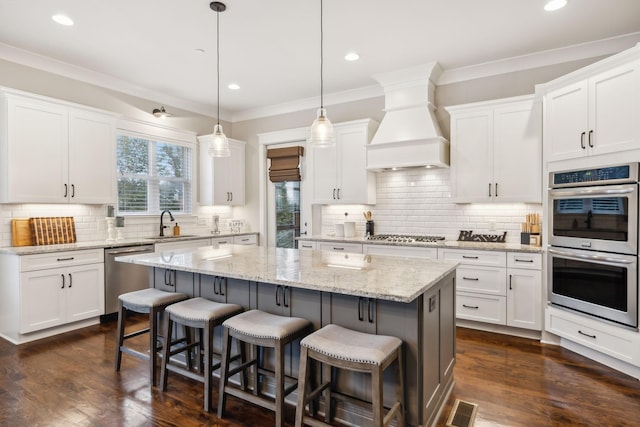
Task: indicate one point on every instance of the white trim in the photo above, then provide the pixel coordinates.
(282, 136)
(155, 131)
(587, 50)
(565, 54)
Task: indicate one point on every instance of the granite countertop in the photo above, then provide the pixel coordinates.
(374, 276)
(103, 244)
(454, 244)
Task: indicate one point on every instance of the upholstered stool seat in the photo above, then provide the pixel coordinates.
(342, 348)
(204, 315)
(259, 329)
(146, 301)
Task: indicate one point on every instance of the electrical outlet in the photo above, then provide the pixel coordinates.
(492, 225)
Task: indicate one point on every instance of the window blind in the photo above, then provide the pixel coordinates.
(285, 163)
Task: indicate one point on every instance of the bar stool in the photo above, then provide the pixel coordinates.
(146, 301)
(204, 315)
(259, 329)
(338, 347)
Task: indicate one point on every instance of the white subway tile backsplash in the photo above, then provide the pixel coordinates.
(418, 201)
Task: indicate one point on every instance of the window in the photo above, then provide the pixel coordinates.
(287, 196)
(152, 176)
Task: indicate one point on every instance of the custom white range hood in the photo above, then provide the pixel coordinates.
(409, 134)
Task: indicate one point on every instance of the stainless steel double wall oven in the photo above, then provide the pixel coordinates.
(593, 242)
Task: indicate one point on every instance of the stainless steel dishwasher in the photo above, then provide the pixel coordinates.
(122, 277)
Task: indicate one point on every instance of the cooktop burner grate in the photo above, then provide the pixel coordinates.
(400, 238)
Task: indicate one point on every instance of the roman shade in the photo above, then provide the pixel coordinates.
(285, 163)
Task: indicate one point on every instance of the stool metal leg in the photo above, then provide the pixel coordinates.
(122, 312)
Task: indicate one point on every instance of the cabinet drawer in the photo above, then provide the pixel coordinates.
(251, 239)
(182, 244)
(489, 258)
(524, 260)
(60, 259)
(340, 247)
(304, 245)
(481, 308)
(486, 280)
(425, 253)
(616, 342)
(222, 241)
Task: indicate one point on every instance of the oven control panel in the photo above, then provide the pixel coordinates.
(605, 175)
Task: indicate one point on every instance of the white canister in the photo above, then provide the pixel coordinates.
(339, 230)
(349, 228)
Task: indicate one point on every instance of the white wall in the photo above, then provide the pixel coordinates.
(417, 201)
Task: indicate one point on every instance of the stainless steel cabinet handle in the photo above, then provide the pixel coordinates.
(475, 307)
(62, 275)
(592, 192)
(582, 140)
(586, 334)
(589, 257)
(591, 138)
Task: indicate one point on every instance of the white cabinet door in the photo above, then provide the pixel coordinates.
(517, 153)
(354, 180)
(42, 299)
(340, 247)
(614, 109)
(222, 179)
(36, 147)
(85, 292)
(472, 156)
(339, 173)
(325, 172)
(92, 162)
(565, 122)
(524, 299)
(496, 151)
(596, 115)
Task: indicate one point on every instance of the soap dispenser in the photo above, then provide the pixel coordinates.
(176, 230)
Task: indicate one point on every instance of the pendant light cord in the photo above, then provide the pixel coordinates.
(218, 60)
(321, 60)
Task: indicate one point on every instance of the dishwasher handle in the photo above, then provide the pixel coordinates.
(130, 251)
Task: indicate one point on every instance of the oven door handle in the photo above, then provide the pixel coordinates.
(590, 192)
(589, 257)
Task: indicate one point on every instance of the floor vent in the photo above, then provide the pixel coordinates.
(463, 414)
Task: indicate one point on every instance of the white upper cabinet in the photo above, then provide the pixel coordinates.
(339, 173)
(496, 151)
(222, 179)
(54, 152)
(593, 112)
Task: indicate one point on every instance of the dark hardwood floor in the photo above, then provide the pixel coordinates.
(68, 380)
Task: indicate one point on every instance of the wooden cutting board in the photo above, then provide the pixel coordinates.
(53, 230)
(21, 232)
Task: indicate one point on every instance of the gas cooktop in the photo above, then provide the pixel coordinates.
(399, 238)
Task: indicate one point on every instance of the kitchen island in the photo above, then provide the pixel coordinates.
(411, 299)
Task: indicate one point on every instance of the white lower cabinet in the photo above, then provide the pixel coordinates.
(503, 288)
(182, 244)
(402, 251)
(355, 248)
(72, 291)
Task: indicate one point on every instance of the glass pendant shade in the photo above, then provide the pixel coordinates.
(219, 145)
(322, 130)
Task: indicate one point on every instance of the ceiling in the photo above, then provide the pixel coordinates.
(272, 48)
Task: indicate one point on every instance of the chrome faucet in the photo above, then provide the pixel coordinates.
(162, 226)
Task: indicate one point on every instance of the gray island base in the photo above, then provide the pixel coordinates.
(411, 299)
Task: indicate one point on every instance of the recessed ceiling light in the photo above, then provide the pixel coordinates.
(555, 5)
(234, 86)
(62, 19)
(352, 56)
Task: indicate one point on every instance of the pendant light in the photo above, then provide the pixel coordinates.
(321, 129)
(219, 145)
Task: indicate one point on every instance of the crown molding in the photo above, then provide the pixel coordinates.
(64, 69)
(571, 53)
